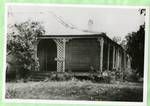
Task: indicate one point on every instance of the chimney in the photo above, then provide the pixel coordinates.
(90, 25)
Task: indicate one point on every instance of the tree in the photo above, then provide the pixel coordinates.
(20, 43)
(116, 39)
(135, 47)
(123, 44)
(142, 11)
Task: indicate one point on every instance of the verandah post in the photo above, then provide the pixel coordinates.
(101, 41)
(108, 56)
(114, 57)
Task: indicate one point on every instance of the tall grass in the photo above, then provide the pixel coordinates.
(75, 90)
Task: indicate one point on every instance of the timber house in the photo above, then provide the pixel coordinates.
(80, 53)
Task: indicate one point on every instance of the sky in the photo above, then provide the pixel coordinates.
(62, 20)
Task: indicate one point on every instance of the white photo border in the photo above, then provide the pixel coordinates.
(34, 101)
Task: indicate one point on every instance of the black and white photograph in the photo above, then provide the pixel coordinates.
(75, 53)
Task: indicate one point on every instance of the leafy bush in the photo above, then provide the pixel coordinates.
(60, 76)
(111, 76)
(21, 40)
(131, 75)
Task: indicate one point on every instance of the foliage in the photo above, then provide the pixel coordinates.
(60, 77)
(108, 76)
(117, 39)
(142, 11)
(130, 75)
(135, 47)
(123, 44)
(21, 39)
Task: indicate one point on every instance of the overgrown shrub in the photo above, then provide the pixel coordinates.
(62, 76)
(21, 39)
(131, 75)
(111, 76)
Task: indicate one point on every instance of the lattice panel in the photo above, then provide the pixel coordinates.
(60, 49)
(60, 54)
(59, 66)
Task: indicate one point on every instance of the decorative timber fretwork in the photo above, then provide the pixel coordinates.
(61, 45)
